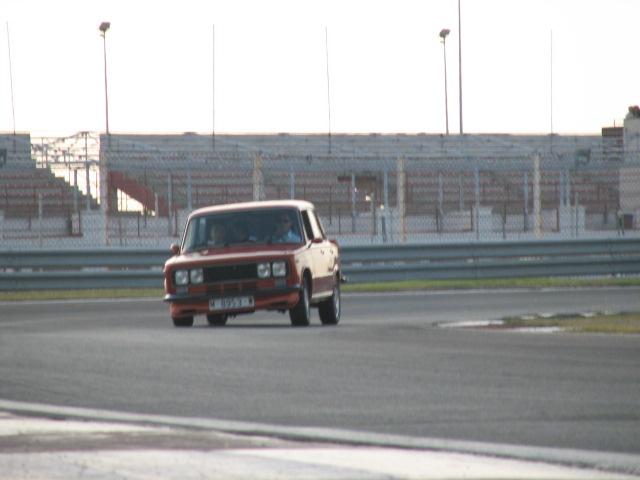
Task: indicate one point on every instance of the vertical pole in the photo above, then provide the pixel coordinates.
(401, 181)
(551, 82)
(385, 188)
(40, 219)
(77, 207)
(326, 47)
(213, 87)
(46, 153)
(120, 230)
(169, 202)
(525, 189)
(446, 93)
(75, 191)
(461, 191)
(537, 199)
(13, 109)
(106, 90)
(292, 183)
(330, 204)
(387, 206)
(374, 218)
(258, 179)
(176, 213)
(476, 182)
(576, 209)
(460, 64)
(104, 191)
(383, 225)
(189, 192)
(87, 171)
(504, 221)
(440, 202)
(353, 203)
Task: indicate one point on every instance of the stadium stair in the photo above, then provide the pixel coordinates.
(139, 192)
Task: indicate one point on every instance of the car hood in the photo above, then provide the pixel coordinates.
(232, 254)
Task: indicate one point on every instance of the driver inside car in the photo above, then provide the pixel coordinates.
(283, 230)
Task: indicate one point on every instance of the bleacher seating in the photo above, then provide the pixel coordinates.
(200, 175)
(21, 190)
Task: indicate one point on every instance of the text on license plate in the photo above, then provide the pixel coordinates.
(231, 303)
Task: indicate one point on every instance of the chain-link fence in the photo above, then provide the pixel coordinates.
(133, 190)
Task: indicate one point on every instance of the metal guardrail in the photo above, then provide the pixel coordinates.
(484, 260)
(134, 267)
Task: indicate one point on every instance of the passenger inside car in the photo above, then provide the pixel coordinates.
(240, 234)
(217, 234)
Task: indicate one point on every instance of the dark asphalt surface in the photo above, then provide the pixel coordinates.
(384, 369)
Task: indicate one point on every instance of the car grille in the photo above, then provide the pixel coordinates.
(248, 271)
(232, 288)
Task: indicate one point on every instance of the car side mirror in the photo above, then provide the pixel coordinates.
(175, 249)
(317, 240)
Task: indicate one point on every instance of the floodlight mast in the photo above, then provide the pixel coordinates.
(104, 26)
(443, 35)
(460, 64)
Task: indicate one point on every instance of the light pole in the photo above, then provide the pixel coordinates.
(443, 35)
(104, 26)
(460, 63)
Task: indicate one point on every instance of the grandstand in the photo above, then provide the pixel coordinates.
(33, 200)
(194, 170)
(137, 189)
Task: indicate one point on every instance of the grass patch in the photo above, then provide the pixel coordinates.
(622, 323)
(409, 285)
(81, 294)
(544, 282)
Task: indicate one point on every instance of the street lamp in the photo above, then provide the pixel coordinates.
(460, 63)
(443, 35)
(104, 26)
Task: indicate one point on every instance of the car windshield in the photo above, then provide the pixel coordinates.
(219, 230)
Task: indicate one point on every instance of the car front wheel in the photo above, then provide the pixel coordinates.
(217, 319)
(329, 309)
(301, 313)
(183, 322)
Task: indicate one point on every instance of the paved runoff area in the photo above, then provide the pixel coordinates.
(34, 446)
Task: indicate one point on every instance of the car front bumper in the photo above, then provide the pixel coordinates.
(278, 298)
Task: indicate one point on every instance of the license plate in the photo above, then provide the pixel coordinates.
(230, 303)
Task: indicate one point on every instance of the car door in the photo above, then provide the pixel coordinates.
(323, 254)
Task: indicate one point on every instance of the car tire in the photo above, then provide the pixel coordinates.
(217, 319)
(183, 322)
(301, 313)
(329, 309)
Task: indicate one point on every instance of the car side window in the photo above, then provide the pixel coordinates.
(319, 225)
(308, 229)
(310, 218)
(195, 234)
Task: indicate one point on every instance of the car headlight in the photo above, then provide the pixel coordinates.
(264, 270)
(196, 275)
(279, 269)
(182, 277)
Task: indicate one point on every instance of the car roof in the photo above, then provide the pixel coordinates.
(265, 204)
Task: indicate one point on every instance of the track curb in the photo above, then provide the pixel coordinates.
(613, 462)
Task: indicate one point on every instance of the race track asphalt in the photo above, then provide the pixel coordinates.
(385, 369)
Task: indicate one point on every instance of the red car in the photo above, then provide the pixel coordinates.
(239, 258)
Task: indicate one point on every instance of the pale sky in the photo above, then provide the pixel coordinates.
(386, 65)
